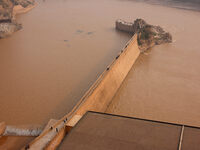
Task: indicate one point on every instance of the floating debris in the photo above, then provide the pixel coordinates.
(89, 33)
(79, 31)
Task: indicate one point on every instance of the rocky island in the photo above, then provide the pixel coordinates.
(148, 35)
(8, 10)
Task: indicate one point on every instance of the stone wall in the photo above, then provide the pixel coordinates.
(124, 26)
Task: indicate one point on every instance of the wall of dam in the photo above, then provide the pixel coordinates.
(101, 93)
(97, 98)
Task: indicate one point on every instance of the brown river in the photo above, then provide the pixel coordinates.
(164, 83)
(66, 44)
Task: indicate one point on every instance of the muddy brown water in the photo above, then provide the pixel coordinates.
(164, 83)
(48, 65)
(66, 44)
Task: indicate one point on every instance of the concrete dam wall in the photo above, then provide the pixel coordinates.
(97, 98)
(101, 93)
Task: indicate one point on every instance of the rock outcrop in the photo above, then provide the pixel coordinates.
(23, 3)
(7, 28)
(8, 10)
(148, 35)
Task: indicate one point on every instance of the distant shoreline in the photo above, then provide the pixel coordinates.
(179, 4)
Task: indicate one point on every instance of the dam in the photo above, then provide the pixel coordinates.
(97, 98)
(174, 69)
(150, 89)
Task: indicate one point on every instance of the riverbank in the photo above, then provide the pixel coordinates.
(9, 10)
(190, 5)
(19, 9)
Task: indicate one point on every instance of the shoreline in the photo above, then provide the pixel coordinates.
(10, 26)
(18, 9)
(189, 6)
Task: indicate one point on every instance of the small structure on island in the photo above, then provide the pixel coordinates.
(148, 35)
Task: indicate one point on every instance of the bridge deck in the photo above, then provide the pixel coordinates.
(98, 131)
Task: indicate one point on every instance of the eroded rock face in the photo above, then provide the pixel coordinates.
(6, 7)
(23, 3)
(148, 35)
(7, 24)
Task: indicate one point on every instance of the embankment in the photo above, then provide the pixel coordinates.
(97, 98)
